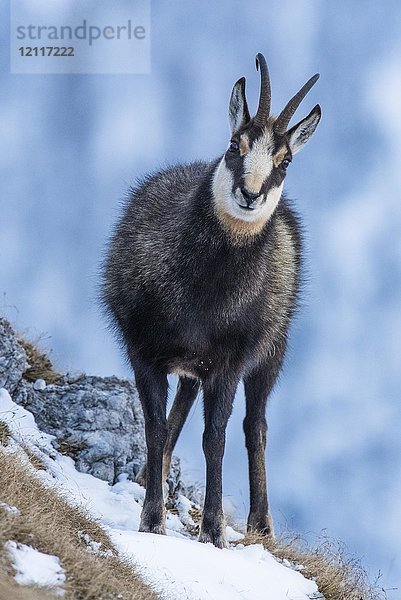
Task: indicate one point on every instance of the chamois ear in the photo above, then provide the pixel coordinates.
(238, 112)
(302, 131)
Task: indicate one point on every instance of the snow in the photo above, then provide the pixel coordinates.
(36, 568)
(92, 546)
(22, 425)
(10, 509)
(40, 384)
(176, 564)
(183, 568)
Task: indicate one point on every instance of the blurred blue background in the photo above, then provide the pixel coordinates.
(71, 145)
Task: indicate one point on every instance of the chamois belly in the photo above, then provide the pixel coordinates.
(202, 351)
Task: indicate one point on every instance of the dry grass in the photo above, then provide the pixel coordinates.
(10, 590)
(35, 459)
(47, 522)
(338, 576)
(40, 366)
(70, 449)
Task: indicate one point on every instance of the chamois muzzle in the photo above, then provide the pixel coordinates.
(249, 200)
(265, 91)
(249, 196)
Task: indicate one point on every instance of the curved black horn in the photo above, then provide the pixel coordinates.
(265, 91)
(281, 124)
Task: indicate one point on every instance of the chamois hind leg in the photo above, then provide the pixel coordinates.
(258, 385)
(152, 389)
(218, 400)
(187, 391)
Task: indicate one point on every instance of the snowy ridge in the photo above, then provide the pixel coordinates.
(176, 564)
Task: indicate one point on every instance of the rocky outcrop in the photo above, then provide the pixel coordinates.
(98, 421)
(13, 359)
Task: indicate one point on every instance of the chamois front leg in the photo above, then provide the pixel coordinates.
(218, 400)
(257, 388)
(152, 389)
(187, 391)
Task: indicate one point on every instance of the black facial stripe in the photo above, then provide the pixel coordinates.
(274, 180)
(235, 163)
(279, 142)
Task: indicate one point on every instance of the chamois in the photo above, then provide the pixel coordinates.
(201, 279)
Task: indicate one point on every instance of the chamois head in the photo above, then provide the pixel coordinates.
(248, 182)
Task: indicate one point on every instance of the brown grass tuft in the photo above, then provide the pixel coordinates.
(40, 366)
(69, 448)
(47, 522)
(35, 460)
(338, 576)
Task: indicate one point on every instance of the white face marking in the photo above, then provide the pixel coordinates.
(258, 163)
(229, 203)
(222, 185)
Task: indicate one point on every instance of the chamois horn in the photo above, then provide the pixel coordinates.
(265, 91)
(281, 123)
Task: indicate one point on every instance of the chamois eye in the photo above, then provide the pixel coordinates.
(285, 163)
(234, 146)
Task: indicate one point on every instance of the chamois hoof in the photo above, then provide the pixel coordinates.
(215, 536)
(153, 521)
(159, 529)
(262, 524)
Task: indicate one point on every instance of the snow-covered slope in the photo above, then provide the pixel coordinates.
(177, 565)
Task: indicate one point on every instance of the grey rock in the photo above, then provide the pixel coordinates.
(98, 421)
(39, 384)
(13, 360)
